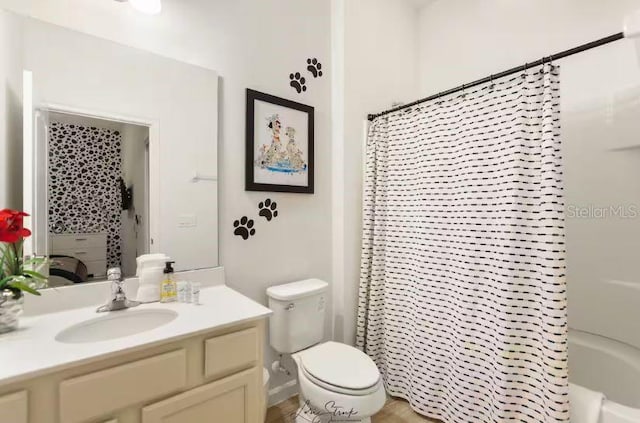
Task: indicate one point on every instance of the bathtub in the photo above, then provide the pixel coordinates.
(611, 367)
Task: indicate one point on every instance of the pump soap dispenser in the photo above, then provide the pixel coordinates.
(168, 288)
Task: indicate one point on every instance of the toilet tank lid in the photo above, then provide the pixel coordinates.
(296, 290)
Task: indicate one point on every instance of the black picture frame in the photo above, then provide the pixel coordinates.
(250, 183)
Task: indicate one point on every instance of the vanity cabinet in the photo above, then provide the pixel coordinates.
(85, 397)
(233, 399)
(13, 408)
(232, 352)
(208, 377)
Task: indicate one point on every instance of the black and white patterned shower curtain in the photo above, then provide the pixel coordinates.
(462, 300)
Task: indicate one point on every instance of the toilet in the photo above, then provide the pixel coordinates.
(337, 382)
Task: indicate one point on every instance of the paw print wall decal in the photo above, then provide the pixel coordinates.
(244, 228)
(268, 209)
(298, 82)
(314, 67)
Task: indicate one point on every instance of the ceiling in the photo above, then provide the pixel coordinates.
(420, 3)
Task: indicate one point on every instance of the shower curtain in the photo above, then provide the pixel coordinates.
(462, 301)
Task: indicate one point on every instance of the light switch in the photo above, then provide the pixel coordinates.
(187, 221)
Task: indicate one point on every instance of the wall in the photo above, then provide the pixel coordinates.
(602, 186)
(134, 172)
(10, 116)
(85, 164)
(133, 236)
(251, 44)
(463, 40)
(376, 44)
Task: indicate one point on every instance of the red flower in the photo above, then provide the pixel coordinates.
(11, 226)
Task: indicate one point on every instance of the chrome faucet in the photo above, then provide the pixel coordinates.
(119, 300)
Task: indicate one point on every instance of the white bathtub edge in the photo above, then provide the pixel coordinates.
(610, 411)
(616, 413)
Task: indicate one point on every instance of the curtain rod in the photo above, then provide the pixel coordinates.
(490, 78)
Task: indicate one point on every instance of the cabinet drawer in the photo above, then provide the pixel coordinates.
(13, 408)
(73, 241)
(233, 399)
(96, 394)
(84, 254)
(231, 353)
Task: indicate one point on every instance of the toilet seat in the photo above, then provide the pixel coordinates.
(339, 389)
(340, 368)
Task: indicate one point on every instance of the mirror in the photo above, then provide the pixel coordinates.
(97, 204)
(112, 139)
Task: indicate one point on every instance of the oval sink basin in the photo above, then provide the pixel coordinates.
(117, 324)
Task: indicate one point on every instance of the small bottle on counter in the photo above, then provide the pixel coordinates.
(195, 293)
(188, 295)
(168, 288)
(183, 291)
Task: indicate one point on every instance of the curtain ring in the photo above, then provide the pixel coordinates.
(491, 84)
(464, 94)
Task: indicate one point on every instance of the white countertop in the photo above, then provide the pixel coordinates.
(32, 350)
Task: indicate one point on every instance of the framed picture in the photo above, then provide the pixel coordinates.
(279, 154)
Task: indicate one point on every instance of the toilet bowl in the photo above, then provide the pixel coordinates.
(337, 383)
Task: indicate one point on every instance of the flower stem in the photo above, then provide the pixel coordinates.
(17, 259)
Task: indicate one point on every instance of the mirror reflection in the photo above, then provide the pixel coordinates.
(111, 138)
(97, 197)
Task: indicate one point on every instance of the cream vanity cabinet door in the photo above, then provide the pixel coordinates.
(13, 408)
(233, 399)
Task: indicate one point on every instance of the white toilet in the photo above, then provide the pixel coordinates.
(337, 382)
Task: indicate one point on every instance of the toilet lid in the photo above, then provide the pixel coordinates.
(340, 365)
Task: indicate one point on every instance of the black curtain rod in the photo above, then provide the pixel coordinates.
(490, 78)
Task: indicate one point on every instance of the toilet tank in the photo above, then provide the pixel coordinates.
(298, 314)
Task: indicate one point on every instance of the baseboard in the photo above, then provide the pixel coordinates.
(283, 392)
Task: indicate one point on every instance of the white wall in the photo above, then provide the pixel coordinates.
(134, 138)
(377, 48)
(251, 44)
(10, 116)
(600, 127)
(463, 40)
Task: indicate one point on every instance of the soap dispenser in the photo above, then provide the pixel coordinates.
(168, 288)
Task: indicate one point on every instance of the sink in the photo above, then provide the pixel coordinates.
(117, 324)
